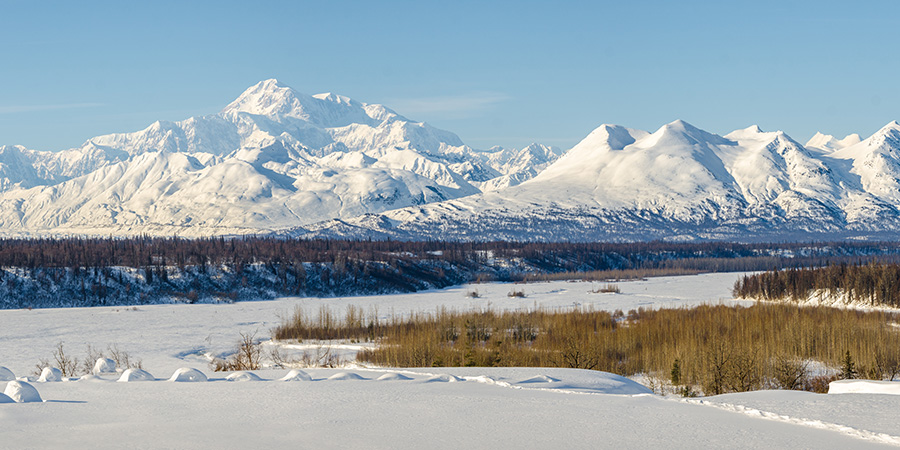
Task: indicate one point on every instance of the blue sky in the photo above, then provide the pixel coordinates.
(496, 73)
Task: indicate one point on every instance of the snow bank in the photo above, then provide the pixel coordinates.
(393, 376)
(296, 375)
(6, 374)
(130, 375)
(5, 399)
(539, 379)
(22, 392)
(243, 376)
(341, 376)
(187, 374)
(104, 365)
(443, 378)
(864, 387)
(91, 377)
(543, 378)
(50, 374)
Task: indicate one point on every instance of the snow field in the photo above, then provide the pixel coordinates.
(167, 337)
(392, 407)
(490, 408)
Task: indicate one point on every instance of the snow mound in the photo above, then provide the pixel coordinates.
(130, 375)
(22, 392)
(104, 365)
(243, 376)
(187, 374)
(540, 379)
(864, 387)
(5, 399)
(91, 377)
(393, 376)
(50, 374)
(6, 374)
(296, 375)
(341, 376)
(443, 378)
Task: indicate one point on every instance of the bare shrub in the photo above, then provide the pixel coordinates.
(65, 363)
(606, 289)
(520, 293)
(887, 362)
(321, 356)
(819, 384)
(790, 373)
(578, 353)
(122, 358)
(90, 358)
(39, 367)
(246, 356)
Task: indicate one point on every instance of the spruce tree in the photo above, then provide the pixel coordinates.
(848, 368)
(676, 372)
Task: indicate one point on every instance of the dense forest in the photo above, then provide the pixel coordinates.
(88, 272)
(875, 284)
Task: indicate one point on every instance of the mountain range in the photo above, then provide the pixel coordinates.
(275, 161)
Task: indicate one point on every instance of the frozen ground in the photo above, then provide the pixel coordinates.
(433, 408)
(167, 337)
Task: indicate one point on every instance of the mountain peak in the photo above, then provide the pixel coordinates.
(751, 132)
(892, 125)
(266, 98)
(828, 142)
(679, 130)
(337, 99)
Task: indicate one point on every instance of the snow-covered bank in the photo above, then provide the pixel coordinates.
(823, 297)
(866, 415)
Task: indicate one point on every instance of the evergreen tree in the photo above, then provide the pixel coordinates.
(676, 372)
(848, 367)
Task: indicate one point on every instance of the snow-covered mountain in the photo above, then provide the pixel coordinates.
(278, 161)
(271, 159)
(679, 183)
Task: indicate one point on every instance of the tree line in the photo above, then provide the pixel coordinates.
(550, 257)
(875, 283)
(139, 270)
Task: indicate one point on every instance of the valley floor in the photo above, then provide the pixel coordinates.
(485, 408)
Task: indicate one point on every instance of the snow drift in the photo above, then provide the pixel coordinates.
(50, 374)
(243, 376)
(864, 387)
(296, 375)
(6, 374)
(188, 375)
(130, 375)
(103, 366)
(22, 392)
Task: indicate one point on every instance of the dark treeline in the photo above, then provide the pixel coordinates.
(876, 284)
(107, 271)
(549, 257)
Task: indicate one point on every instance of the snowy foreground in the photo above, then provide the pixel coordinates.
(355, 407)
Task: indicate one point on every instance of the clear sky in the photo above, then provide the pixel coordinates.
(495, 73)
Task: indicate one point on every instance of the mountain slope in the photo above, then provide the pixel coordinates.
(679, 183)
(271, 159)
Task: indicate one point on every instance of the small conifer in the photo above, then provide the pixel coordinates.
(848, 367)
